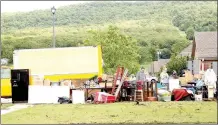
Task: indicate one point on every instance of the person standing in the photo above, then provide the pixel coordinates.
(210, 80)
(164, 78)
(141, 75)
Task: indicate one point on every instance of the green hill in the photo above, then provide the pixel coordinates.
(167, 26)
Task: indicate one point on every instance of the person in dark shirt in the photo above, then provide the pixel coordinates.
(182, 74)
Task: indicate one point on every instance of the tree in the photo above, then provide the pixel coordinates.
(145, 55)
(190, 33)
(177, 63)
(7, 52)
(118, 49)
(153, 52)
(179, 46)
(165, 54)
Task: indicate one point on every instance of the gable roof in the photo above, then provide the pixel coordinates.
(206, 45)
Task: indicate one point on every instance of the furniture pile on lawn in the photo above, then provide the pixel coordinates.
(110, 89)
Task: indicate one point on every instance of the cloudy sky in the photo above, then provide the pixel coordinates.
(24, 6)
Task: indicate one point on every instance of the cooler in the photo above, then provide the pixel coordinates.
(102, 97)
(108, 98)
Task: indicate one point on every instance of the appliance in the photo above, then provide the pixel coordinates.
(19, 84)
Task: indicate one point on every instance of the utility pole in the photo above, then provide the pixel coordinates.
(53, 12)
(158, 55)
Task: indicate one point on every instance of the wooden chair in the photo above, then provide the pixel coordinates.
(139, 89)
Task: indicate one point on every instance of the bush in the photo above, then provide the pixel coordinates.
(177, 63)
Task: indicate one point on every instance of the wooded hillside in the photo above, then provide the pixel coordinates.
(164, 26)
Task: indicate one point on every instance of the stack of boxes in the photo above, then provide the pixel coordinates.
(37, 80)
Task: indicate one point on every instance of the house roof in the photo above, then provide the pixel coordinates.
(187, 51)
(206, 45)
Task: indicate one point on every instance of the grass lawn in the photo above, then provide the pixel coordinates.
(148, 112)
(5, 106)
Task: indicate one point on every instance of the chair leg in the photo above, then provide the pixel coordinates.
(142, 96)
(135, 96)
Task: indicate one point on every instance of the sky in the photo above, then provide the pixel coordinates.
(25, 6)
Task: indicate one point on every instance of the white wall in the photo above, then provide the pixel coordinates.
(47, 94)
(73, 60)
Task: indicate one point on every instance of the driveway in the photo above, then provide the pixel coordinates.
(13, 108)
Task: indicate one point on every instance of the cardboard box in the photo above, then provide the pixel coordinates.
(182, 80)
(38, 81)
(66, 83)
(197, 76)
(78, 82)
(188, 76)
(104, 77)
(47, 82)
(102, 84)
(110, 78)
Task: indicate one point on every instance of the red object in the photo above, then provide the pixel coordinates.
(119, 75)
(139, 85)
(206, 65)
(97, 97)
(179, 94)
(108, 98)
(99, 79)
(101, 97)
(125, 84)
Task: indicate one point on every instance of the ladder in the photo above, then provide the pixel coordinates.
(121, 83)
(119, 73)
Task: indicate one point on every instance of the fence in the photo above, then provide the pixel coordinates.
(155, 66)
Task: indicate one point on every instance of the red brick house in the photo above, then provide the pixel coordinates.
(204, 48)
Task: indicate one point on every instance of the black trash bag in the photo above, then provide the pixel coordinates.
(91, 98)
(65, 100)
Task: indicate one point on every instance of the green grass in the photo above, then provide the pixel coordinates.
(5, 106)
(149, 112)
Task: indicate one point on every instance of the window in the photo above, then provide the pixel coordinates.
(5, 73)
(207, 65)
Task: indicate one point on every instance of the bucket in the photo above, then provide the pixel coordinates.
(166, 98)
